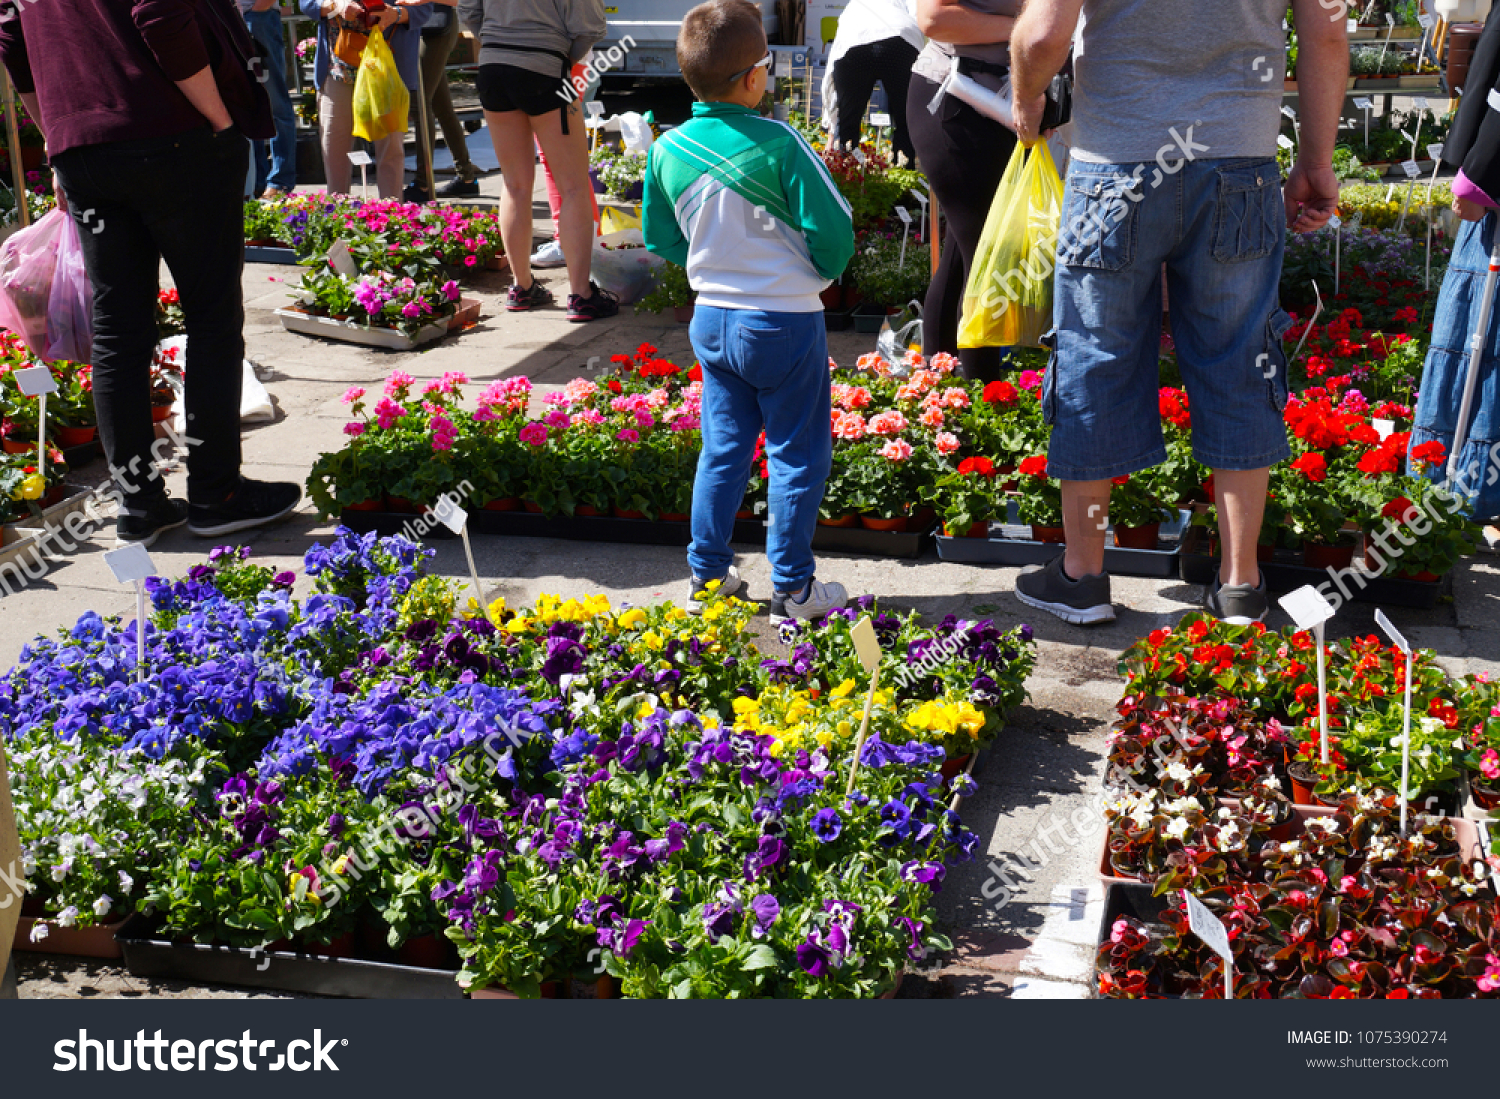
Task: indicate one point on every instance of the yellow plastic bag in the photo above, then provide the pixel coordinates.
(612, 219)
(380, 97)
(1008, 301)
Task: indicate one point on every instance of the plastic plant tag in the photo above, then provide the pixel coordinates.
(1421, 102)
(1284, 141)
(1396, 636)
(1364, 103)
(1289, 113)
(1426, 20)
(341, 261)
(130, 563)
(879, 120)
(866, 647)
(1435, 151)
(450, 514)
(1351, 25)
(1411, 168)
(360, 158)
(903, 214)
(1384, 428)
(1405, 794)
(1307, 607)
(35, 380)
(1210, 929)
(1335, 222)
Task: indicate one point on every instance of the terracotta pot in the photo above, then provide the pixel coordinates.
(832, 297)
(955, 765)
(626, 513)
(1264, 552)
(12, 447)
(1050, 535)
(745, 514)
(585, 511)
(535, 509)
(372, 940)
(377, 504)
(53, 495)
(978, 530)
(869, 522)
(1485, 792)
(1285, 830)
(76, 436)
(1424, 576)
(497, 263)
(160, 413)
(675, 517)
(1327, 557)
(1303, 780)
(425, 952)
(506, 503)
(842, 521)
(341, 947)
(683, 314)
(80, 942)
(401, 505)
(922, 518)
(1139, 538)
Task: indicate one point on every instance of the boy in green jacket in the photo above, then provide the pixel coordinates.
(746, 205)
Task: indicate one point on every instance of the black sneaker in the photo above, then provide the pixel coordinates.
(417, 194)
(253, 504)
(533, 297)
(459, 188)
(1238, 604)
(164, 513)
(598, 305)
(1081, 602)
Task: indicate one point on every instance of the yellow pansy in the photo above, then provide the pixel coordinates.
(652, 640)
(843, 690)
(631, 618)
(32, 487)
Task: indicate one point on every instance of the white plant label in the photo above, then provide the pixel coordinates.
(1289, 113)
(1389, 191)
(879, 119)
(1351, 25)
(1307, 607)
(130, 563)
(859, 157)
(450, 514)
(1426, 20)
(905, 217)
(866, 646)
(1284, 141)
(1421, 102)
(1364, 104)
(1384, 428)
(1435, 152)
(35, 380)
(1335, 222)
(360, 158)
(1390, 20)
(341, 261)
(1211, 930)
(1397, 638)
(1411, 168)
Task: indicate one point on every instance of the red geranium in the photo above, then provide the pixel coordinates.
(1035, 466)
(982, 466)
(1312, 466)
(1173, 404)
(1431, 452)
(1396, 508)
(999, 393)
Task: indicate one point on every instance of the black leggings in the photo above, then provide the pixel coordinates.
(963, 154)
(888, 61)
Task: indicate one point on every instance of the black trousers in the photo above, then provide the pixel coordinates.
(889, 61)
(137, 203)
(963, 154)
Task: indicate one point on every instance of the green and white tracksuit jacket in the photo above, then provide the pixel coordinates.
(748, 207)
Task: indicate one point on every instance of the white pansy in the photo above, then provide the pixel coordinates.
(103, 905)
(39, 931)
(68, 916)
(127, 883)
(60, 870)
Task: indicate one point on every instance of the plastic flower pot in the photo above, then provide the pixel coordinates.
(80, 942)
(677, 517)
(401, 505)
(377, 504)
(1264, 552)
(160, 413)
(683, 314)
(1486, 793)
(747, 514)
(955, 765)
(76, 436)
(626, 513)
(922, 518)
(832, 297)
(842, 521)
(1327, 557)
(505, 503)
(341, 947)
(870, 522)
(1050, 535)
(1138, 538)
(533, 508)
(1424, 576)
(585, 511)
(426, 952)
(13, 447)
(978, 530)
(1303, 780)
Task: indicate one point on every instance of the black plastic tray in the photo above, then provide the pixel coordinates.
(1199, 568)
(1131, 900)
(79, 456)
(1154, 564)
(603, 528)
(259, 253)
(148, 956)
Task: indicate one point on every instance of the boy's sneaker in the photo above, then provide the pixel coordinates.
(700, 595)
(459, 188)
(549, 256)
(1081, 602)
(252, 504)
(598, 305)
(164, 514)
(1239, 604)
(533, 297)
(817, 599)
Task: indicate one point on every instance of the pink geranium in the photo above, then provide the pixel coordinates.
(535, 434)
(897, 450)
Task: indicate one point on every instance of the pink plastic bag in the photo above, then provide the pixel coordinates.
(70, 310)
(28, 262)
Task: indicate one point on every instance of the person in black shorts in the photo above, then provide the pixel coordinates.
(526, 50)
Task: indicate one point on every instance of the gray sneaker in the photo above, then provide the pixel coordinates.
(1082, 602)
(820, 598)
(1239, 604)
(699, 595)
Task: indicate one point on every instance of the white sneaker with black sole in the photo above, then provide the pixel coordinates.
(817, 600)
(1081, 602)
(700, 595)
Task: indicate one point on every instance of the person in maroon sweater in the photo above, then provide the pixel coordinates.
(146, 106)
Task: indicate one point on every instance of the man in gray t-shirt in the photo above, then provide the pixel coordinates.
(1176, 114)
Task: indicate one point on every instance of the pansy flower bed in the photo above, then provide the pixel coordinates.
(1218, 734)
(547, 790)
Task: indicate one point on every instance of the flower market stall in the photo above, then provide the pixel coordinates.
(380, 774)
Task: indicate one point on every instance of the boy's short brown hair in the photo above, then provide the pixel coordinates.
(718, 40)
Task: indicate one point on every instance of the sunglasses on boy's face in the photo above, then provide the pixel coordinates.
(763, 63)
